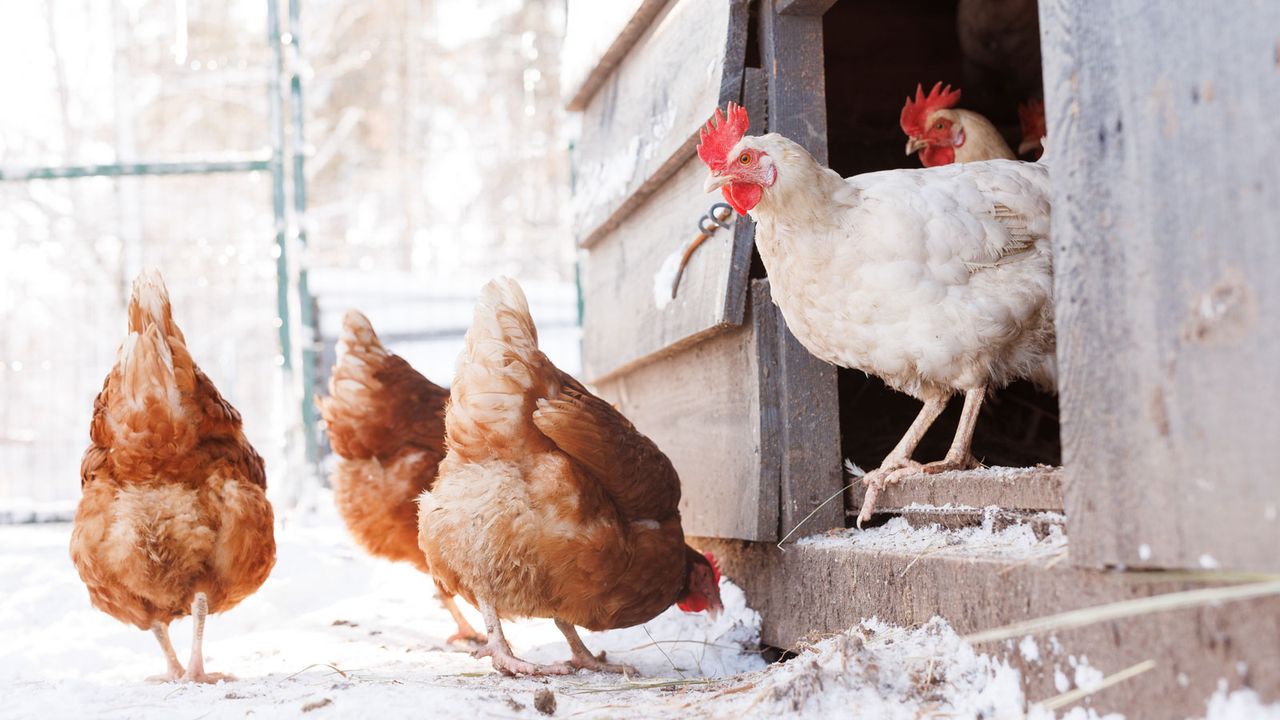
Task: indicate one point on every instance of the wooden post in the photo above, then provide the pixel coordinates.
(791, 48)
(1162, 148)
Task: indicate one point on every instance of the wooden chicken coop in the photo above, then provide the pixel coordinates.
(1155, 450)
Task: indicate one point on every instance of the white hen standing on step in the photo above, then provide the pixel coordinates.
(938, 281)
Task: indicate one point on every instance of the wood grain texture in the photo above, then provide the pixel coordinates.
(1165, 265)
(623, 324)
(642, 124)
(804, 7)
(807, 592)
(791, 48)
(1035, 488)
(703, 406)
(597, 36)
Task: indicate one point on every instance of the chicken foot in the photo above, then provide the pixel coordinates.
(582, 657)
(161, 631)
(898, 463)
(195, 666)
(959, 456)
(497, 650)
(466, 634)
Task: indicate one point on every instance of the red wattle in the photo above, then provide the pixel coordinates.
(935, 155)
(742, 196)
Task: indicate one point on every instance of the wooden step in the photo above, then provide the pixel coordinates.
(905, 576)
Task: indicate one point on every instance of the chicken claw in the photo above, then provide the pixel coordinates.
(582, 657)
(175, 671)
(892, 471)
(508, 664)
(499, 652)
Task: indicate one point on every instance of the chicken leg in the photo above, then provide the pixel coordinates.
(959, 456)
(898, 463)
(161, 631)
(195, 666)
(466, 634)
(499, 651)
(582, 657)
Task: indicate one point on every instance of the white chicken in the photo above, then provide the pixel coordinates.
(937, 280)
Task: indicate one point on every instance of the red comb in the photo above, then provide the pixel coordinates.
(719, 135)
(715, 566)
(1031, 118)
(917, 110)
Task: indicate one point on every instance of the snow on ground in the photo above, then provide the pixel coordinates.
(330, 624)
(336, 634)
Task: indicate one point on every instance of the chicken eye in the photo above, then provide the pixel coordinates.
(938, 125)
(745, 159)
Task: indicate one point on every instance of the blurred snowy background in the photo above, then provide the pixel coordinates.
(435, 154)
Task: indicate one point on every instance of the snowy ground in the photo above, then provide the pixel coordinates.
(334, 633)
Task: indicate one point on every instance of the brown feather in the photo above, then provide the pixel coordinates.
(173, 494)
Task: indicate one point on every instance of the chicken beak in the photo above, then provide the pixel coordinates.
(915, 145)
(1028, 145)
(715, 181)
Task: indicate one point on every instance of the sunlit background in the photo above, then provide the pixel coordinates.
(435, 156)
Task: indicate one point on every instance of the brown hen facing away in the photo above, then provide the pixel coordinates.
(549, 503)
(174, 518)
(386, 424)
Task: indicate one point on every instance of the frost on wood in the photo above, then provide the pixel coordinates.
(1015, 542)
(1243, 704)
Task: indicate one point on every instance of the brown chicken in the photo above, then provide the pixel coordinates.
(386, 424)
(549, 502)
(174, 518)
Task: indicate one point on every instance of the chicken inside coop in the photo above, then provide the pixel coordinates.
(988, 51)
(965, 41)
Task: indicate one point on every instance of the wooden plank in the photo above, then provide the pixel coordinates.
(1034, 488)
(642, 124)
(628, 312)
(597, 37)
(626, 316)
(804, 7)
(791, 46)
(792, 51)
(1193, 648)
(704, 407)
(1164, 200)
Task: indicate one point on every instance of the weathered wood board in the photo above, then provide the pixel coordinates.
(804, 7)
(711, 407)
(1037, 488)
(597, 36)
(1162, 143)
(628, 311)
(791, 48)
(805, 593)
(642, 124)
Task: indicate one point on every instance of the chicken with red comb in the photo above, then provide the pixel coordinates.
(944, 134)
(549, 503)
(938, 280)
(1031, 118)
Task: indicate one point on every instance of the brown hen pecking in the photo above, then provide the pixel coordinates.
(174, 518)
(549, 502)
(386, 424)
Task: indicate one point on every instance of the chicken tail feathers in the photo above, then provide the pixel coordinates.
(149, 305)
(500, 374)
(371, 390)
